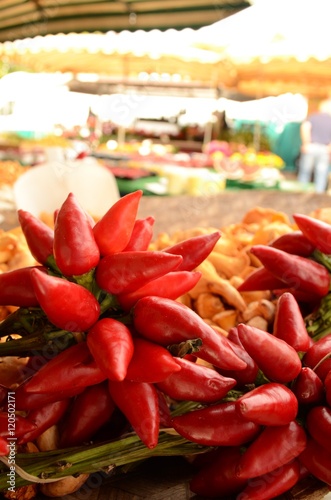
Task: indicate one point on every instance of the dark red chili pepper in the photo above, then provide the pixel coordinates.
(302, 297)
(320, 350)
(44, 417)
(75, 249)
(317, 459)
(141, 236)
(294, 243)
(318, 424)
(167, 322)
(218, 478)
(164, 410)
(274, 447)
(216, 425)
(150, 362)
(72, 368)
(139, 402)
(3, 394)
(4, 450)
(268, 404)
(172, 286)
(278, 360)
(289, 324)
(298, 272)
(67, 305)
(89, 412)
(16, 288)
(316, 231)
(15, 425)
(272, 484)
(113, 231)
(124, 272)
(327, 385)
(261, 279)
(308, 387)
(194, 250)
(196, 383)
(25, 401)
(38, 235)
(111, 345)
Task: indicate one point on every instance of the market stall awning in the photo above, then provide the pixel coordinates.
(29, 18)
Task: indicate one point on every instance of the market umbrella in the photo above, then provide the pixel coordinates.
(275, 46)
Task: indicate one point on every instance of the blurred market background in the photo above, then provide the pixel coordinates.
(173, 97)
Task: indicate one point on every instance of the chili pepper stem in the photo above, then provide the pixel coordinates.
(322, 258)
(30, 344)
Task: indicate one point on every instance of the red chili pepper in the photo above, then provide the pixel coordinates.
(216, 425)
(218, 478)
(113, 231)
(164, 410)
(167, 322)
(318, 424)
(141, 236)
(72, 368)
(272, 484)
(194, 250)
(317, 460)
(16, 288)
(171, 286)
(308, 387)
(4, 450)
(316, 231)
(196, 383)
(269, 404)
(75, 249)
(278, 360)
(298, 272)
(327, 385)
(302, 297)
(274, 447)
(38, 235)
(15, 425)
(25, 401)
(90, 410)
(111, 345)
(67, 305)
(125, 272)
(261, 279)
(289, 324)
(294, 243)
(43, 418)
(150, 362)
(139, 402)
(317, 357)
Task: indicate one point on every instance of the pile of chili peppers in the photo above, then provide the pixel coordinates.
(112, 355)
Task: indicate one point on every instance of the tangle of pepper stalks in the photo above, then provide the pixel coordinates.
(105, 316)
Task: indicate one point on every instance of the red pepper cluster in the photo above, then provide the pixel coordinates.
(264, 398)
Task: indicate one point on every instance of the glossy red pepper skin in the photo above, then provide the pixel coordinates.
(139, 402)
(171, 286)
(327, 385)
(272, 484)
(25, 401)
(318, 424)
(270, 404)
(20, 427)
(38, 235)
(45, 417)
(167, 322)
(16, 288)
(278, 360)
(196, 383)
(274, 447)
(141, 235)
(75, 249)
(111, 345)
(317, 460)
(298, 272)
(302, 297)
(194, 250)
(90, 410)
(316, 231)
(113, 231)
(218, 479)
(125, 272)
(150, 362)
(4, 450)
(289, 324)
(294, 243)
(216, 425)
(318, 351)
(308, 387)
(261, 279)
(67, 305)
(74, 368)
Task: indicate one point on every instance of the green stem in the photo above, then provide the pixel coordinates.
(28, 345)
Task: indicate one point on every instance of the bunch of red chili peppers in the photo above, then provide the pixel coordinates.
(111, 349)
